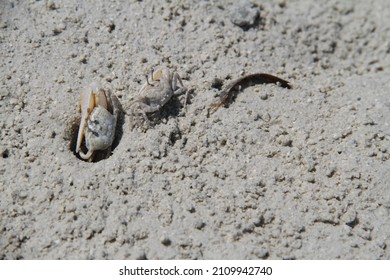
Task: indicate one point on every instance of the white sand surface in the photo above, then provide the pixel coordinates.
(301, 173)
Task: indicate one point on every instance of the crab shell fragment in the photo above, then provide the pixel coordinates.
(98, 121)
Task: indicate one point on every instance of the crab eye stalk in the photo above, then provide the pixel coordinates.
(147, 80)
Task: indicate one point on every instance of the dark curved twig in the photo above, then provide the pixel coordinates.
(229, 91)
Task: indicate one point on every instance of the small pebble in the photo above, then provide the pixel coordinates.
(351, 219)
(166, 241)
(140, 255)
(330, 171)
(244, 14)
(50, 5)
(199, 225)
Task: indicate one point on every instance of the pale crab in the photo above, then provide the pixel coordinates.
(158, 89)
(99, 113)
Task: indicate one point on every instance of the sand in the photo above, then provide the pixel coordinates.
(299, 173)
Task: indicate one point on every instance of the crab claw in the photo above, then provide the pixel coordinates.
(87, 103)
(90, 98)
(88, 156)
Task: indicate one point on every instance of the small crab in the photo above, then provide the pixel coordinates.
(99, 113)
(159, 88)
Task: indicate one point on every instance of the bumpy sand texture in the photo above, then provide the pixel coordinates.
(280, 174)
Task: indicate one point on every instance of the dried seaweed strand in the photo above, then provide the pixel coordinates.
(258, 78)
